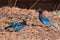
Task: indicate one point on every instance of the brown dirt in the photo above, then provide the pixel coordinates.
(31, 32)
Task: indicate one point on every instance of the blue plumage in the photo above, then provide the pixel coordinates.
(11, 26)
(17, 26)
(20, 25)
(45, 20)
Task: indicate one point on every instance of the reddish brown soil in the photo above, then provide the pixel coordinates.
(30, 32)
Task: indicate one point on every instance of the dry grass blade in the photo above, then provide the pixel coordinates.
(15, 3)
(34, 4)
(58, 7)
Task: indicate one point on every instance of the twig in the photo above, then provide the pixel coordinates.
(15, 3)
(54, 6)
(34, 4)
(58, 7)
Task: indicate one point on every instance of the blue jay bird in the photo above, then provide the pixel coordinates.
(20, 25)
(17, 26)
(44, 20)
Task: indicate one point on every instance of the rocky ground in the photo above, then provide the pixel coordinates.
(35, 30)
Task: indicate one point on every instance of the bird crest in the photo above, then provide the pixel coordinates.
(40, 11)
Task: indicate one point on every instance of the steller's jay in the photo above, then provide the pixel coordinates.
(17, 26)
(20, 25)
(44, 20)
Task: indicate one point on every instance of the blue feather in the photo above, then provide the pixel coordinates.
(45, 20)
(17, 26)
(11, 26)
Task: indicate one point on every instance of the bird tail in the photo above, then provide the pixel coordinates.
(7, 27)
(53, 26)
(10, 26)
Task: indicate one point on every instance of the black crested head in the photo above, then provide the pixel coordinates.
(24, 22)
(40, 11)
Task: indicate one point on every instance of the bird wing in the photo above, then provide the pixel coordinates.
(18, 27)
(14, 25)
(45, 20)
